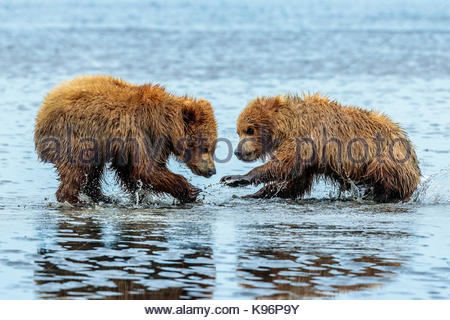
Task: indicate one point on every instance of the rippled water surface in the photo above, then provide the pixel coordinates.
(392, 56)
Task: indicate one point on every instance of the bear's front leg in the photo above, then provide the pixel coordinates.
(293, 189)
(284, 166)
(266, 192)
(174, 184)
(236, 180)
(261, 174)
(254, 176)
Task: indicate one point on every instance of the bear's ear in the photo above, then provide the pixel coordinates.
(191, 114)
(274, 104)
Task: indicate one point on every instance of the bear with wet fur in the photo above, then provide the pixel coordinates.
(310, 136)
(90, 121)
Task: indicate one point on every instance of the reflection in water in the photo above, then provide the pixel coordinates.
(170, 254)
(321, 276)
(127, 260)
(323, 255)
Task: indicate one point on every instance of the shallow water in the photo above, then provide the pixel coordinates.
(392, 56)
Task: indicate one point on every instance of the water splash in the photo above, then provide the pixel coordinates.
(434, 189)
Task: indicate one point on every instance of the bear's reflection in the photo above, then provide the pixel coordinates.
(322, 276)
(162, 255)
(302, 268)
(98, 259)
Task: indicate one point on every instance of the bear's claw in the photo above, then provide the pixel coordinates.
(191, 195)
(235, 180)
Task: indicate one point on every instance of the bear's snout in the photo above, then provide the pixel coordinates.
(207, 173)
(204, 168)
(238, 153)
(245, 154)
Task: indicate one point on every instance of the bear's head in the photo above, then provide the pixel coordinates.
(256, 127)
(198, 142)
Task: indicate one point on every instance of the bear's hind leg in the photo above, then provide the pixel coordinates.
(392, 182)
(71, 180)
(92, 187)
(383, 194)
(129, 183)
(124, 174)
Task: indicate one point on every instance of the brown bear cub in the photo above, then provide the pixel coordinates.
(311, 136)
(90, 121)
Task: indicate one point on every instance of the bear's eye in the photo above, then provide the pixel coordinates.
(250, 131)
(205, 150)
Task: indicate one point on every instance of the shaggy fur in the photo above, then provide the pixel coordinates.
(93, 120)
(311, 136)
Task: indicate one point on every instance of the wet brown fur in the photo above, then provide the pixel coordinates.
(279, 122)
(145, 117)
